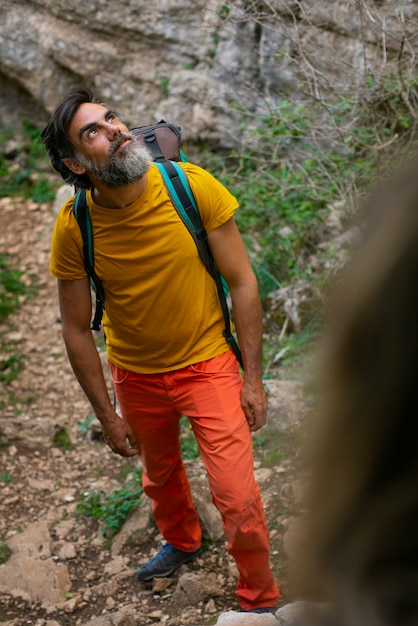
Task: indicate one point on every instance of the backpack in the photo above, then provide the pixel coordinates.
(164, 142)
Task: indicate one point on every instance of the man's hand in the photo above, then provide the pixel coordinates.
(119, 436)
(254, 402)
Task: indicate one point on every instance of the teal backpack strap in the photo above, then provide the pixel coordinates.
(82, 215)
(184, 202)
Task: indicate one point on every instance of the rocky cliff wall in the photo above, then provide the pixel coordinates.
(193, 61)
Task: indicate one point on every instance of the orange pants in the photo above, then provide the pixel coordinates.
(209, 394)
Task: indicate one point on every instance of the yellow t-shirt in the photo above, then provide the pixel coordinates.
(162, 310)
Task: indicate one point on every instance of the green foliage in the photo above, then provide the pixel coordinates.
(11, 287)
(389, 105)
(284, 182)
(164, 84)
(215, 40)
(113, 509)
(223, 11)
(62, 439)
(298, 161)
(5, 478)
(5, 553)
(273, 446)
(33, 144)
(11, 366)
(83, 426)
(188, 444)
(24, 179)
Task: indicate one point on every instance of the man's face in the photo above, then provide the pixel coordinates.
(104, 148)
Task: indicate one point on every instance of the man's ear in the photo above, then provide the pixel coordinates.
(75, 166)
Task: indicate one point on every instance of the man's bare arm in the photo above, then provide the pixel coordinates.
(232, 260)
(75, 305)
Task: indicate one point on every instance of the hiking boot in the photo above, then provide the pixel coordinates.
(165, 562)
(264, 609)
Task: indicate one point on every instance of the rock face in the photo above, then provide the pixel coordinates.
(192, 61)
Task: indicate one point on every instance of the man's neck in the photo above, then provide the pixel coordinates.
(119, 197)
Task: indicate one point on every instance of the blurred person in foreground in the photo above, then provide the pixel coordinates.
(163, 323)
(363, 509)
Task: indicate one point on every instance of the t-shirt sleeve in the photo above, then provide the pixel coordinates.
(216, 204)
(66, 260)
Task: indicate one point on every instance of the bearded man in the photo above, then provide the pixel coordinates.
(163, 324)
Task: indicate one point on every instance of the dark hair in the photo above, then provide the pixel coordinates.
(364, 492)
(55, 136)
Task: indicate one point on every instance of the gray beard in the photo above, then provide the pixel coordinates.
(121, 169)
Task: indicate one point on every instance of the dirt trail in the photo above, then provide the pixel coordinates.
(41, 484)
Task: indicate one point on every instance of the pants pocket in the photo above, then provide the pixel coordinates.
(225, 362)
(118, 374)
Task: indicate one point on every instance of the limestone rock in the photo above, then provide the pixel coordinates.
(303, 613)
(113, 619)
(30, 573)
(287, 405)
(192, 588)
(234, 618)
(209, 516)
(194, 62)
